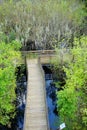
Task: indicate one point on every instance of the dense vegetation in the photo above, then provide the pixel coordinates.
(9, 58)
(46, 24)
(72, 99)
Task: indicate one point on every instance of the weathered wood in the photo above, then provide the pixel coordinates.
(36, 110)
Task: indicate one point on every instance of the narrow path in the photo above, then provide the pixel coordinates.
(35, 113)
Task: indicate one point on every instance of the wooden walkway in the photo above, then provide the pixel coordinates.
(36, 111)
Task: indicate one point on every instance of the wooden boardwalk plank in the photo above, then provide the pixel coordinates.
(35, 112)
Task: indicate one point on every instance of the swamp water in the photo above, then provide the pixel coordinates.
(51, 99)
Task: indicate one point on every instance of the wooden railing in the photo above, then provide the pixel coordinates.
(60, 52)
(46, 56)
(39, 52)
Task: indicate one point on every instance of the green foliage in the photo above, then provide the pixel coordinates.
(72, 100)
(9, 58)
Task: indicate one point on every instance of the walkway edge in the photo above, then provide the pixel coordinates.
(44, 91)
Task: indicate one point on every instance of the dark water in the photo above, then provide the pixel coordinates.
(21, 96)
(51, 98)
(21, 101)
(51, 102)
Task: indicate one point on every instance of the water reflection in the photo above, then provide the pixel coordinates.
(51, 102)
(21, 100)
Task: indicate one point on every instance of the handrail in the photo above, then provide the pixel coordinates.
(46, 52)
(39, 52)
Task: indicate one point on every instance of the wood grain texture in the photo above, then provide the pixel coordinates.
(35, 112)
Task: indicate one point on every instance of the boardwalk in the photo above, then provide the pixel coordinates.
(36, 115)
(36, 112)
